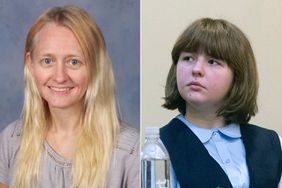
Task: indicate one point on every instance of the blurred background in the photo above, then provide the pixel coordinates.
(119, 21)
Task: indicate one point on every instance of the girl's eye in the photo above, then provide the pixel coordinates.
(213, 62)
(188, 58)
(73, 61)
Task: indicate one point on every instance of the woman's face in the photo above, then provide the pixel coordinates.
(58, 67)
(203, 81)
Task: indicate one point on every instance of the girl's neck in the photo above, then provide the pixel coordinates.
(204, 119)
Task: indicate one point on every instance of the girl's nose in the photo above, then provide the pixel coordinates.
(198, 68)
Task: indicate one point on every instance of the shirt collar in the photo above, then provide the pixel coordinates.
(230, 131)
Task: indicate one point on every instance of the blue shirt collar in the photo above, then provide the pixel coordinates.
(230, 131)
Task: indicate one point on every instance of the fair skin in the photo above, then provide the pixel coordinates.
(203, 82)
(58, 67)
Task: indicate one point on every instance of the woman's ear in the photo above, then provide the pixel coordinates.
(29, 62)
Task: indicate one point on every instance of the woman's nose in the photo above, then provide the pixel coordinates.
(60, 74)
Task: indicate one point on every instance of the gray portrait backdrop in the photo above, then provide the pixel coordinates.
(119, 22)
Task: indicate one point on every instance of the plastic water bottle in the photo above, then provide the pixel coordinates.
(155, 161)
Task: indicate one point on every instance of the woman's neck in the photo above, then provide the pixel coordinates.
(66, 121)
(63, 130)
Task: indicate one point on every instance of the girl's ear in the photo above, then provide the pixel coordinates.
(29, 62)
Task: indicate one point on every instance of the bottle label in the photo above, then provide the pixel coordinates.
(155, 174)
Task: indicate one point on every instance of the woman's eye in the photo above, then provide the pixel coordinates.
(47, 61)
(73, 61)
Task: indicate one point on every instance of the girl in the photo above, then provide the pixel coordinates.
(213, 82)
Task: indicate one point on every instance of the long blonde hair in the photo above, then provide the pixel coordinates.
(99, 123)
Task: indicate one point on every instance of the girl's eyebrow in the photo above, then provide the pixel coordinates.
(186, 53)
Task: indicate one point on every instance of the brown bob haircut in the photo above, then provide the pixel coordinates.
(221, 40)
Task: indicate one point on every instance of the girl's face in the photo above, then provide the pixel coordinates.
(58, 67)
(202, 81)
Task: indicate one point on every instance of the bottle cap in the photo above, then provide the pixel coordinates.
(152, 131)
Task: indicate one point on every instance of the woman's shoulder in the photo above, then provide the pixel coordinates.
(12, 131)
(124, 169)
(10, 138)
(128, 139)
(9, 145)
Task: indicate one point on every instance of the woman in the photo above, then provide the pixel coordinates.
(213, 82)
(70, 134)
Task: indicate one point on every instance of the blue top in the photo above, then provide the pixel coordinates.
(225, 145)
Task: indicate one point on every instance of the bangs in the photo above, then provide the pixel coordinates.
(208, 43)
(209, 37)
